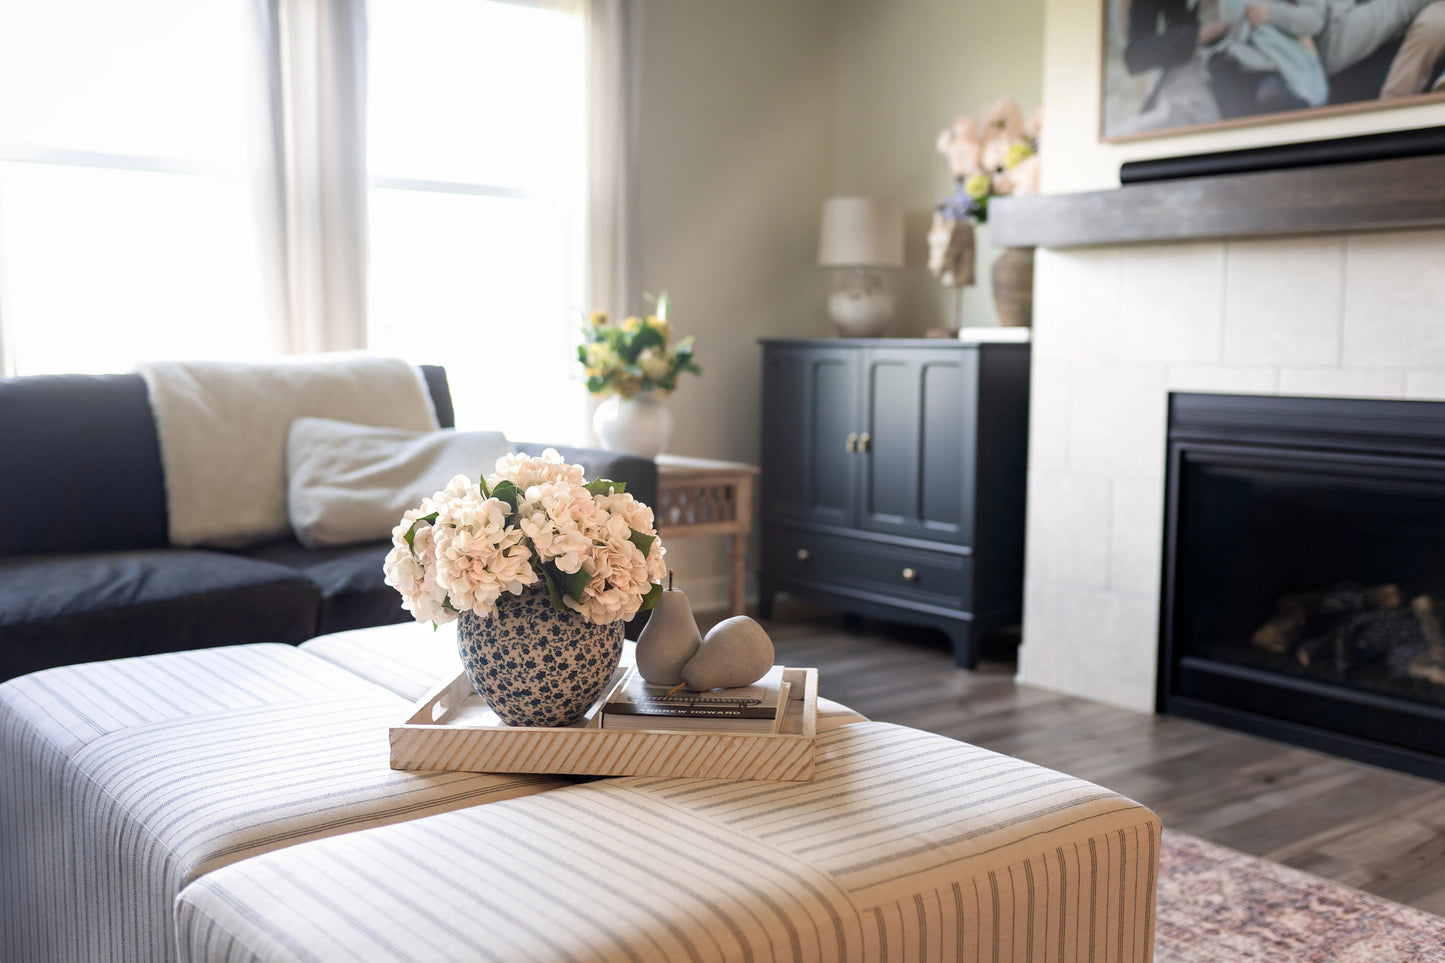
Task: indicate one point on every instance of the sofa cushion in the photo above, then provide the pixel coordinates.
(223, 427)
(348, 483)
(82, 465)
(62, 609)
(353, 588)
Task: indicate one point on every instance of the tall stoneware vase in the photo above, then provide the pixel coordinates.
(1013, 287)
(536, 666)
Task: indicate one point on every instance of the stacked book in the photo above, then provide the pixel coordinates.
(758, 708)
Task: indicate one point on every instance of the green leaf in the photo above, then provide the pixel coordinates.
(486, 492)
(653, 596)
(648, 337)
(571, 584)
(604, 486)
(554, 592)
(411, 532)
(507, 492)
(642, 540)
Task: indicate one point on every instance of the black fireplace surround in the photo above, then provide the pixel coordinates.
(1304, 573)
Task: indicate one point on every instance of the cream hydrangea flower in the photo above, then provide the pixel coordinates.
(556, 517)
(410, 567)
(619, 576)
(478, 556)
(462, 550)
(525, 470)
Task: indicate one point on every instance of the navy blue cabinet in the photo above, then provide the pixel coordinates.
(893, 480)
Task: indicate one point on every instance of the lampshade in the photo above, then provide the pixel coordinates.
(861, 232)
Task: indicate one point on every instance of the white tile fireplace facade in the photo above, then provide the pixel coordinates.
(1117, 328)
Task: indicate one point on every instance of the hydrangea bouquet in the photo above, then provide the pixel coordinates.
(996, 157)
(635, 355)
(535, 519)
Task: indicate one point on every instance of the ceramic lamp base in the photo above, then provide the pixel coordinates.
(862, 304)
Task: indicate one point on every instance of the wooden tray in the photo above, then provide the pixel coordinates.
(453, 729)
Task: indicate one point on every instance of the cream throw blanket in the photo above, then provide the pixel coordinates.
(223, 428)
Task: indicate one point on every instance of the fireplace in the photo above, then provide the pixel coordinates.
(1304, 573)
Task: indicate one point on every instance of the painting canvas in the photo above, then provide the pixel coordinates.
(1182, 65)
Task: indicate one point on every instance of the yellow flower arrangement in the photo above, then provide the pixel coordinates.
(635, 355)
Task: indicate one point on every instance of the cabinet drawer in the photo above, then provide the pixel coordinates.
(939, 578)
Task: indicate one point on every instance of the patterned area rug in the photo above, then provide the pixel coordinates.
(1218, 905)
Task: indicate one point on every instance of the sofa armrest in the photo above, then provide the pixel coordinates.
(639, 474)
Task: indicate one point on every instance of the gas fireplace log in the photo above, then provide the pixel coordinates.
(1429, 663)
(1287, 632)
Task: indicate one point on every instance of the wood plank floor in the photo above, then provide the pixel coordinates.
(1370, 828)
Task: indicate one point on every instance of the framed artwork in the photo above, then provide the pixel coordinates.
(1175, 66)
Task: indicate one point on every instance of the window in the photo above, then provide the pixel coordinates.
(126, 228)
(475, 150)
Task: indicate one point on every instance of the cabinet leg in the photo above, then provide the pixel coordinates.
(965, 646)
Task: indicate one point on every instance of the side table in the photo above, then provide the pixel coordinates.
(699, 496)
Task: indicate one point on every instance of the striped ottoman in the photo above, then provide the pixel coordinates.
(907, 846)
(122, 782)
(236, 804)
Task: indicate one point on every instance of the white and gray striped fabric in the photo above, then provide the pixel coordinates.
(906, 846)
(124, 781)
(48, 717)
(409, 659)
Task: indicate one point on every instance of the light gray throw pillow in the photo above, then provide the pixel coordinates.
(349, 483)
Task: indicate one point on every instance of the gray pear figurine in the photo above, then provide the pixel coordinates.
(736, 652)
(669, 638)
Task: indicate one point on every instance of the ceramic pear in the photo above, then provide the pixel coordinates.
(736, 652)
(668, 640)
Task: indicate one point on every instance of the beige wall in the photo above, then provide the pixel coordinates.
(755, 111)
(905, 69)
(1073, 44)
(736, 149)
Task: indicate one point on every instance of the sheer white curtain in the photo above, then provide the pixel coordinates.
(313, 172)
(614, 38)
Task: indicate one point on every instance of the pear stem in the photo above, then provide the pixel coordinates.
(674, 689)
(669, 579)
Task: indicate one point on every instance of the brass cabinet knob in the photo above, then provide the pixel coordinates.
(850, 444)
(804, 555)
(863, 440)
(910, 575)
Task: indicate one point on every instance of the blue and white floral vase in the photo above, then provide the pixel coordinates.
(534, 665)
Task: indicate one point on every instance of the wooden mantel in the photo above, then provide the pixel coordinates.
(1372, 195)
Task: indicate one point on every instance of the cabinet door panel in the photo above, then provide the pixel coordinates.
(786, 393)
(891, 492)
(948, 440)
(832, 467)
(810, 405)
(918, 477)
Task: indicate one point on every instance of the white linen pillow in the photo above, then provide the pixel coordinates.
(349, 483)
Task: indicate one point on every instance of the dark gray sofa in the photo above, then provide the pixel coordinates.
(86, 571)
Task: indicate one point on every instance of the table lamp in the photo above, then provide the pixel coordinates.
(863, 238)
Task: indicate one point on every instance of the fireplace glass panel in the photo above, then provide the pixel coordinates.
(1324, 568)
